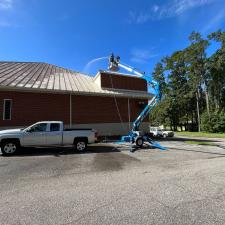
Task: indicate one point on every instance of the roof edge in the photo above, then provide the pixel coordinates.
(120, 74)
(38, 90)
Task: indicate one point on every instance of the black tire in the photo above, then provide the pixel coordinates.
(9, 147)
(80, 145)
(139, 142)
(164, 135)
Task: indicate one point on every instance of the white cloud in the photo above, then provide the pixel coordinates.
(155, 8)
(214, 23)
(6, 4)
(180, 6)
(171, 9)
(5, 9)
(141, 56)
(140, 17)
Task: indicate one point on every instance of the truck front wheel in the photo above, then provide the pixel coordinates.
(80, 145)
(9, 147)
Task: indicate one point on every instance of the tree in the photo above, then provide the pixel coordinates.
(158, 75)
(192, 86)
(196, 59)
(217, 71)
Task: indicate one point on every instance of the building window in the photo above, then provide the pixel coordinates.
(7, 109)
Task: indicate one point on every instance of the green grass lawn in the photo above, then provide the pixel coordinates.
(200, 143)
(200, 134)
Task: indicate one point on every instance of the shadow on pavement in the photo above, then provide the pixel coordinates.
(57, 152)
(205, 152)
(161, 139)
(97, 148)
(106, 148)
(183, 139)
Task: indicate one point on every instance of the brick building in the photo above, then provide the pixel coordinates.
(31, 92)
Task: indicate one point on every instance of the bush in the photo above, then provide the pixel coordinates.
(215, 123)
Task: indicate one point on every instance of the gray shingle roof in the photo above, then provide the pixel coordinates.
(33, 76)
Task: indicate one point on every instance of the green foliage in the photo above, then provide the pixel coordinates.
(158, 75)
(214, 123)
(200, 143)
(187, 78)
(161, 113)
(200, 134)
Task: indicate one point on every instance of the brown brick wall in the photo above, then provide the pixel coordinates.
(28, 108)
(103, 109)
(122, 82)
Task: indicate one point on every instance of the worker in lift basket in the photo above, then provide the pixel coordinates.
(111, 59)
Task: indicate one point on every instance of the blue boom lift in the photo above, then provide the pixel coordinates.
(136, 136)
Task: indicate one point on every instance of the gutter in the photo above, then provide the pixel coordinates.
(131, 94)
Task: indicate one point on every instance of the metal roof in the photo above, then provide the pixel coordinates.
(35, 76)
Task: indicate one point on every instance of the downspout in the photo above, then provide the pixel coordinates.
(70, 110)
(128, 103)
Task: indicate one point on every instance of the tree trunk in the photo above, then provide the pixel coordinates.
(207, 100)
(197, 108)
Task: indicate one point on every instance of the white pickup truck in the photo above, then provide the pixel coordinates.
(45, 134)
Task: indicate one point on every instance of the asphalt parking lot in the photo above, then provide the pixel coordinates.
(110, 185)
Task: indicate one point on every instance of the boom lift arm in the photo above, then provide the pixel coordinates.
(135, 135)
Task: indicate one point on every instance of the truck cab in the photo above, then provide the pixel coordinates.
(156, 132)
(43, 134)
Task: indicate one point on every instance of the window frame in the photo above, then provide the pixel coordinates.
(4, 109)
(35, 125)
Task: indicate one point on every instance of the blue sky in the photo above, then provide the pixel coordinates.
(71, 33)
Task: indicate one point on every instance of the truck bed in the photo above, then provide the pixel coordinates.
(71, 129)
